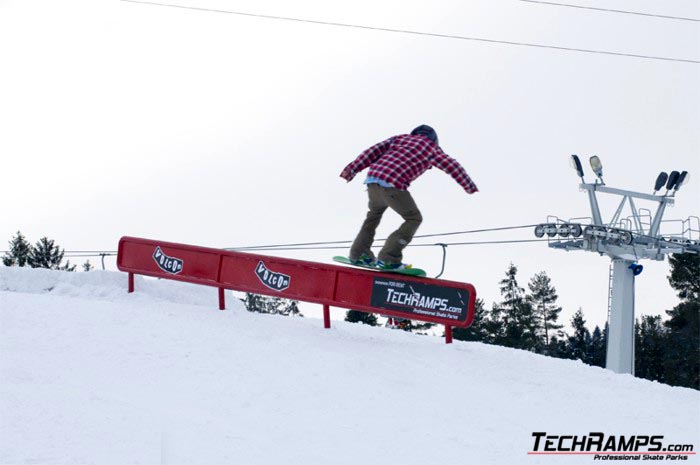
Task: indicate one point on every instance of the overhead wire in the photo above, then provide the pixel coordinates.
(335, 245)
(342, 244)
(610, 10)
(517, 241)
(421, 33)
(326, 245)
(420, 236)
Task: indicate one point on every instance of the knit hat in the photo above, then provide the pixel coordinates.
(427, 131)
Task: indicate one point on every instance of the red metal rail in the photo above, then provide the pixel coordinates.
(431, 300)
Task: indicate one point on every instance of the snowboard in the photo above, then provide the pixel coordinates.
(407, 271)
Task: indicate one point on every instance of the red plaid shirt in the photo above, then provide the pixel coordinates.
(401, 159)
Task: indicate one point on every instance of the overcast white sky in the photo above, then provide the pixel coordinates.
(221, 130)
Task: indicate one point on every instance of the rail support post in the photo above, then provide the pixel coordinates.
(222, 299)
(131, 282)
(448, 334)
(326, 316)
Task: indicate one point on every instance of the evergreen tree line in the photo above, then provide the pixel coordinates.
(44, 254)
(669, 351)
(529, 320)
(272, 305)
(665, 351)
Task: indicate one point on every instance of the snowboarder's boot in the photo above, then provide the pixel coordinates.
(364, 260)
(393, 266)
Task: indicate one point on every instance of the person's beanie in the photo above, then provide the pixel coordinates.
(427, 131)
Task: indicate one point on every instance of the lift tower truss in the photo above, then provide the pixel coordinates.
(626, 241)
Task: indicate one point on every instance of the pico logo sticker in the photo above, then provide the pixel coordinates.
(170, 265)
(275, 281)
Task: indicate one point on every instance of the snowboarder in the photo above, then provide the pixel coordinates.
(393, 165)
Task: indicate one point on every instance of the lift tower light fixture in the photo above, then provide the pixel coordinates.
(672, 181)
(660, 181)
(682, 180)
(576, 165)
(597, 167)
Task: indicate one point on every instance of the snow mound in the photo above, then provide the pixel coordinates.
(92, 374)
(102, 285)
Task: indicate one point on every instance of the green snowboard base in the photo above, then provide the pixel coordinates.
(407, 271)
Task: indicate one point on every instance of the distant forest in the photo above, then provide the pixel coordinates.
(667, 350)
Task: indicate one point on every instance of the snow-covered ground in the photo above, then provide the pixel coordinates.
(91, 374)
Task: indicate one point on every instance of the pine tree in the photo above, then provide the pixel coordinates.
(650, 348)
(494, 324)
(292, 308)
(45, 254)
(558, 347)
(87, 266)
(510, 290)
(683, 348)
(20, 250)
(68, 266)
(255, 303)
(543, 296)
(271, 305)
(478, 331)
(598, 347)
(354, 316)
(517, 315)
(685, 276)
(579, 344)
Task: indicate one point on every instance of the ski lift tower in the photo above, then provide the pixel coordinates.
(625, 241)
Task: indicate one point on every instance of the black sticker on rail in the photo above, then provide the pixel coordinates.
(414, 298)
(170, 265)
(273, 280)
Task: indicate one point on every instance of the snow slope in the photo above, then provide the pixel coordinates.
(91, 374)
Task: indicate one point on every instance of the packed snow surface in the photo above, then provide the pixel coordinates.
(92, 374)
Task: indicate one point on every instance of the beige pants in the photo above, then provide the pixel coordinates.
(381, 198)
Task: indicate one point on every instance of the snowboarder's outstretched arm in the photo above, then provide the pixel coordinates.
(452, 167)
(365, 159)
